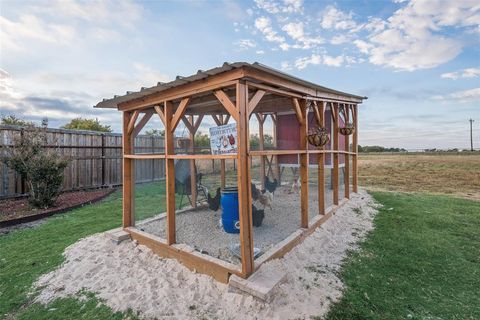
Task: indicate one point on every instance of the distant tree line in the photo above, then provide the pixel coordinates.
(379, 149)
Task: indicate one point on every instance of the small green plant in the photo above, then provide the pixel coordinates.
(40, 166)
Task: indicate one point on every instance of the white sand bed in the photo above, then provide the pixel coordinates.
(131, 276)
(200, 228)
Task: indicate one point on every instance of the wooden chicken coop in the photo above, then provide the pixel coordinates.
(317, 127)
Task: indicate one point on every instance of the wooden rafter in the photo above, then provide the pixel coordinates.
(318, 114)
(252, 104)
(179, 113)
(216, 119)
(142, 122)
(226, 119)
(298, 110)
(187, 124)
(197, 123)
(131, 123)
(161, 114)
(227, 103)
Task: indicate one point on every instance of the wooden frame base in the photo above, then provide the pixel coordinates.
(218, 269)
(194, 260)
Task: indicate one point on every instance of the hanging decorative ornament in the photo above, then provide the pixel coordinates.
(348, 127)
(318, 137)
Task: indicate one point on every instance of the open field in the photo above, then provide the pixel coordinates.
(453, 174)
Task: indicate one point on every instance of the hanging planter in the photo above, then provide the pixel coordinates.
(347, 130)
(318, 137)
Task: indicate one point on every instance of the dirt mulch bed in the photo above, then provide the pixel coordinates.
(15, 211)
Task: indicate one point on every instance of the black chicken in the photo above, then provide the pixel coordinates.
(271, 186)
(257, 216)
(255, 192)
(214, 202)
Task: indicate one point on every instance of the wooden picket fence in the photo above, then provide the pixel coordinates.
(95, 159)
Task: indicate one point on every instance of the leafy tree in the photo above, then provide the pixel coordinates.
(87, 124)
(41, 167)
(255, 141)
(14, 121)
(155, 133)
(202, 140)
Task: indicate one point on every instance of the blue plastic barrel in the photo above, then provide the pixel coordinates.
(229, 202)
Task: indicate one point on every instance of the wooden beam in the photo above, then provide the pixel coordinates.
(161, 114)
(217, 120)
(128, 174)
(187, 124)
(298, 110)
(275, 144)
(320, 109)
(227, 118)
(210, 83)
(346, 157)
(261, 120)
(197, 123)
(194, 260)
(146, 117)
(255, 100)
(244, 178)
(303, 163)
(193, 168)
(318, 114)
(334, 112)
(170, 174)
(227, 103)
(131, 123)
(179, 113)
(355, 149)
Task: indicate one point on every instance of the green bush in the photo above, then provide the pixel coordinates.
(41, 168)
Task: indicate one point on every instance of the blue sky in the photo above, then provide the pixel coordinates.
(417, 61)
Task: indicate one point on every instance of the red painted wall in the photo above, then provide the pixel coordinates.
(288, 138)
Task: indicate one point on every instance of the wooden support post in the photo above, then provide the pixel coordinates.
(243, 174)
(128, 174)
(334, 111)
(320, 110)
(193, 172)
(355, 148)
(304, 163)
(170, 173)
(261, 120)
(346, 172)
(275, 144)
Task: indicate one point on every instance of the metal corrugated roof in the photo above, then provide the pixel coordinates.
(179, 80)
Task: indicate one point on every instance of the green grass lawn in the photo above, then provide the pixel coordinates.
(422, 261)
(26, 254)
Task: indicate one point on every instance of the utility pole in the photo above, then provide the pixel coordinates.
(471, 134)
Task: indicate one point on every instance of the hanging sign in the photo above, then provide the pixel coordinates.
(223, 139)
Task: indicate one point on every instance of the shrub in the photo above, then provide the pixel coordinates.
(41, 168)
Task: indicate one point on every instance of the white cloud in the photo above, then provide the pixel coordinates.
(339, 39)
(66, 22)
(464, 73)
(264, 25)
(333, 61)
(332, 18)
(245, 43)
(285, 65)
(296, 31)
(260, 52)
(463, 96)
(409, 39)
(302, 63)
(285, 6)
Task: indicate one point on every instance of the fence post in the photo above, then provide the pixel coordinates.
(103, 160)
